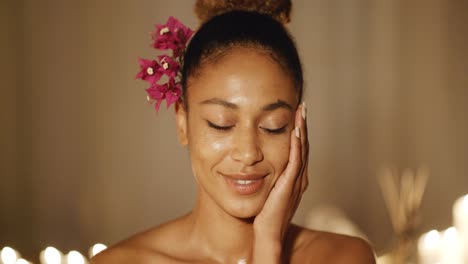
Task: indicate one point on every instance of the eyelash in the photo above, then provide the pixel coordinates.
(276, 131)
(222, 128)
(227, 128)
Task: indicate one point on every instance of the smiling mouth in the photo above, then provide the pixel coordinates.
(245, 184)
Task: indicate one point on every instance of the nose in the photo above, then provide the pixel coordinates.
(246, 147)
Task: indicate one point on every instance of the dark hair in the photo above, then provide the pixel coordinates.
(248, 29)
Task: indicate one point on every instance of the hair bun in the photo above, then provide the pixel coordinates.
(278, 9)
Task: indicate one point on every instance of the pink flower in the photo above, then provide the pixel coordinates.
(156, 92)
(170, 91)
(173, 94)
(150, 71)
(168, 66)
(173, 35)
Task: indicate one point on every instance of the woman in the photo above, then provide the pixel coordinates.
(241, 119)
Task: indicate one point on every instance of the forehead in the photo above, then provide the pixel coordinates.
(243, 77)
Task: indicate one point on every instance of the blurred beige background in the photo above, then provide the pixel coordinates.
(84, 158)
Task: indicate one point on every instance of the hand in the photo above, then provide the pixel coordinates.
(271, 223)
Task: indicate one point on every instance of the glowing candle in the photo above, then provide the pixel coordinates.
(451, 247)
(22, 261)
(75, 257)
(460, 215)
(429, 248)
(51, 255)
(94, 250)
(8, 255)
(460, 218)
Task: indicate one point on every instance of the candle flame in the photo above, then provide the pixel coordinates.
(52, 256)
(75, 257)
(450, 235)
(465, 203)
(432, 239)
(8, 255)
(97, 248)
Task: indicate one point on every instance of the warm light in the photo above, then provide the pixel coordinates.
(462, 204)
(8, 255)
(465, 203)
(52, 256)
(75, 257)
(460, 215)
(97, 248)
(450, 236)
(429, 247)
(451, 248)
(22, 261)
(432, 240)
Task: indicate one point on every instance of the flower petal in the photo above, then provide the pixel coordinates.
(157, 104)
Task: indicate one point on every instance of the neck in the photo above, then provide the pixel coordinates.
(222, 237)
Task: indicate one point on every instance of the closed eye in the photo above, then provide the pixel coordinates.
(276, 131)
(221, 128)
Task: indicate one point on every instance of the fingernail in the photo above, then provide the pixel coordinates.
(304, 110)
(298, 132)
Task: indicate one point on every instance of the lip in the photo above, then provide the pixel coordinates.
(256, 182)
(245, 176)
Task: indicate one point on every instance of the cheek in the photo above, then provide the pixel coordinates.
(276, 151)
(206, 150)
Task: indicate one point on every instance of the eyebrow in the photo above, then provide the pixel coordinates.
(218, 101)
(268, 107)
(276, 105)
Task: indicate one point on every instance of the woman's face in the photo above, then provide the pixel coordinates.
(241, 113)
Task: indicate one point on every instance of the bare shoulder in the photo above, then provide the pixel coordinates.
(323, 247)
(155, 245)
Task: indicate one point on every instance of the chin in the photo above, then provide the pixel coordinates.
(245, 207)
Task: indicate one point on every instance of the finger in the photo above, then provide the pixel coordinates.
(300, 122)
(294, 166)
(302, 181)
(294, 205)
(304, 138)
(305, 147)
(305, 177)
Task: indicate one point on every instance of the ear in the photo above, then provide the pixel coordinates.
(181, 123)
